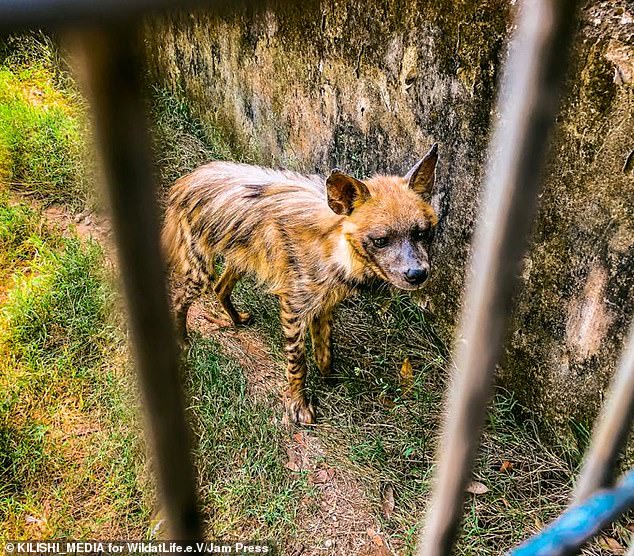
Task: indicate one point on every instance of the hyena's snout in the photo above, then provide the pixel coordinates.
(416, 276)
(407, 266)
(414, 267)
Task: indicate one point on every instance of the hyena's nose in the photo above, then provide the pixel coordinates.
(416, 276)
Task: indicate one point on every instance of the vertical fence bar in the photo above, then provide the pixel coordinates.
(113, 73)
(527, 107)
(612, 428)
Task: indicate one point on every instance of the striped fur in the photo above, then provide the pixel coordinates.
(282, 228)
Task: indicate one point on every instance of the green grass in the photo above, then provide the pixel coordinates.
(247, 492)
(177, 131)
(44, 139)
(70, 454)
(20, 236)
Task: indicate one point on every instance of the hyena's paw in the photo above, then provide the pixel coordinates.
(299, 411)
(184, 343)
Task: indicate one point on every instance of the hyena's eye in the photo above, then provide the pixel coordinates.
(380, 241)
(419, 234)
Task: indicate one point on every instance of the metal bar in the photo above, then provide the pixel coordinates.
(579, 523)
(527, 105)
(612, 428)
(20, 14)
(113, 72)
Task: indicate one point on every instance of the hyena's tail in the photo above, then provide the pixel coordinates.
(186, 260)
(172, 240)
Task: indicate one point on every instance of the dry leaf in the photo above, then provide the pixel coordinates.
(387, 501)
(300, 438)
(322, 476)
(407, 376)
(293, 462)
(374, 536)
(611, 544)
(506, 467)
(386, 402)
(477, 488)
(292, 466)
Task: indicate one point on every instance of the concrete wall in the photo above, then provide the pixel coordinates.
(369, 86)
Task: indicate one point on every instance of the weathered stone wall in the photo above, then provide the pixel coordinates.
(369, 86)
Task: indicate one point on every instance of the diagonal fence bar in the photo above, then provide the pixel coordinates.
(527, 106)
(113, 74)
(582, 521)
(612, 428)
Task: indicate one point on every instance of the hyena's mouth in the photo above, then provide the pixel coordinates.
(409, 283)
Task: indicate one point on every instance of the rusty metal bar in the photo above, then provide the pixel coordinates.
(612, 428)
(527, 107)
(113, 74)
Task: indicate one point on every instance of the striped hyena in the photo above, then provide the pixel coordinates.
(310, 241)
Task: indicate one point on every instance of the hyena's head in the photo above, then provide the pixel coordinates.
(388, 222)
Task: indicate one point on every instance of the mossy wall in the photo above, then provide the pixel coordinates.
(369, 86)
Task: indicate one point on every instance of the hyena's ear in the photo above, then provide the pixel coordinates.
(345, 192)
(422, 176)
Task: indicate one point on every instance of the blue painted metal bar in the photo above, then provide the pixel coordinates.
(581, 522)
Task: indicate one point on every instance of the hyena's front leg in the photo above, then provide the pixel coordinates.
(320, 331)
(298, 409)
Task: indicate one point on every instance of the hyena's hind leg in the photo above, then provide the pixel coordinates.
(223, 289)
(320, 332)
(192, 269)
(190, 290)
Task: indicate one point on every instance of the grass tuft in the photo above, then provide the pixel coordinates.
(44, 138)
(69, 448)
(181, 141)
